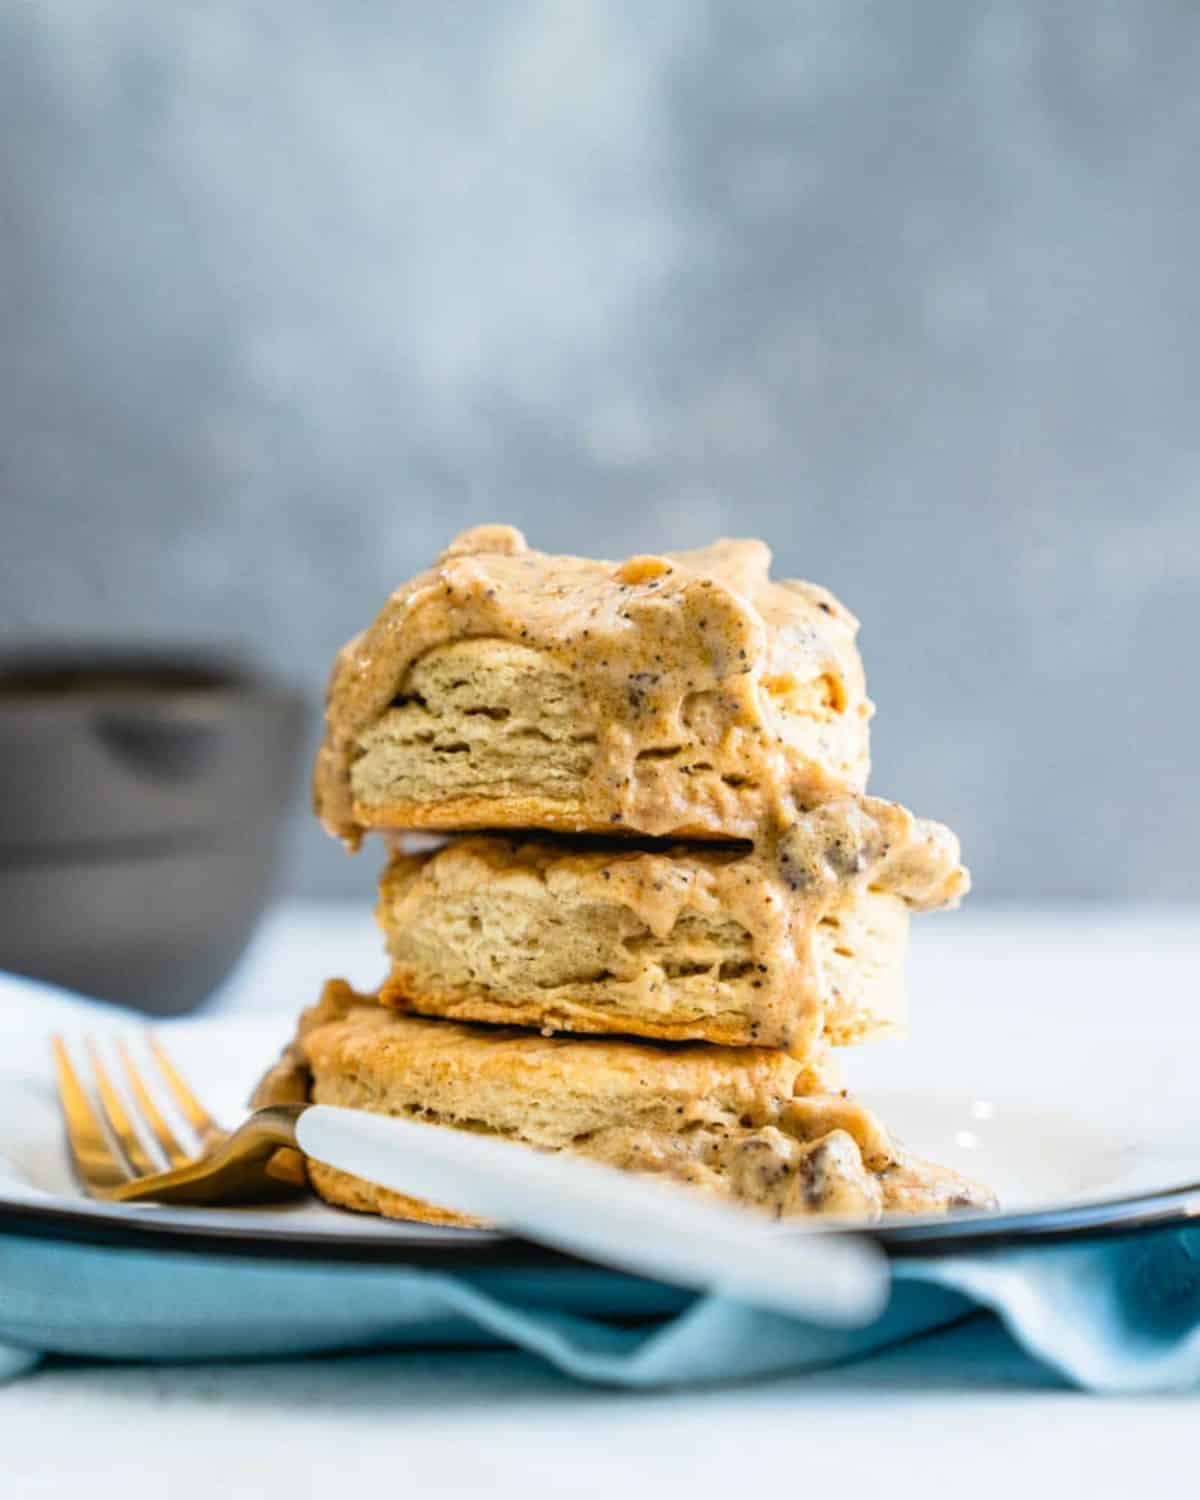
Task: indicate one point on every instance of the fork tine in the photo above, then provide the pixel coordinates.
(151, 1115)
(118, 1119)
(193, 1111)
(98, 1165)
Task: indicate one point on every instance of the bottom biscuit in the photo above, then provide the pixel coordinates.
(344, 1190)
(749, 1125)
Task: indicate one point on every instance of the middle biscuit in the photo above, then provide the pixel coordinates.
(679, 944)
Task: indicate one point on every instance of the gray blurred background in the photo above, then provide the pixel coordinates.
(289, 294)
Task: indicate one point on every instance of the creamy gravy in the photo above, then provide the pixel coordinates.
(658, 640)
(651, 635)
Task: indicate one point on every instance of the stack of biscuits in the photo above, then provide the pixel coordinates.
(659, 896)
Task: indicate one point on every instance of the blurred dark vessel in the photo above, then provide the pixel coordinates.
(141, 802)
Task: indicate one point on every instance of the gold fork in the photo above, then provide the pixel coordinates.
(252, 1164)
(611, 1217)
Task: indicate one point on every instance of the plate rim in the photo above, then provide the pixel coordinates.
(1134, 1214)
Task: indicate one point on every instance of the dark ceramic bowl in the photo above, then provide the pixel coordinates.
(141, 800)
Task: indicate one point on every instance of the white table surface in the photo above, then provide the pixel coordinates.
(962, 1409)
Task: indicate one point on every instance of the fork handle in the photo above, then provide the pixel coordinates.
(264, 1145)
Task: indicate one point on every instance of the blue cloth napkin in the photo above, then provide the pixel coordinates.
(1115, 1315)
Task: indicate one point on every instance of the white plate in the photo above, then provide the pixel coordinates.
(1056, 1122)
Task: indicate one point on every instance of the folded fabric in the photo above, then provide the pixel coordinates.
(1115, 1315)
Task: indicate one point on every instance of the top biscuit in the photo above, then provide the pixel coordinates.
(683, 695)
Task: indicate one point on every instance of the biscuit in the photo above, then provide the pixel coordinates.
(686, 695)
(744, 1124)
(682, 944)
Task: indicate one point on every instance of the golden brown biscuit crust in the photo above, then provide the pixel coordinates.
(548, 1091)
(347, 1191)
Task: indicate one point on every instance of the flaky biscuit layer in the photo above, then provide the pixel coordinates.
(682, 944)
